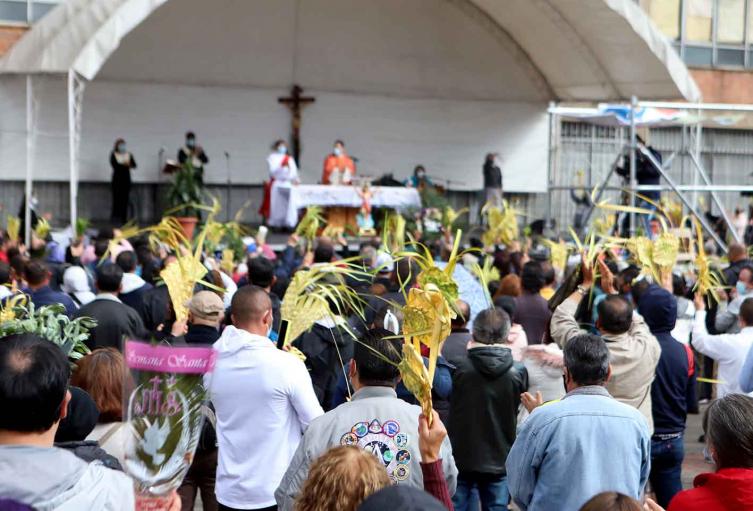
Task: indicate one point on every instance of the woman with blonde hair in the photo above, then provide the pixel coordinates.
(341, 479)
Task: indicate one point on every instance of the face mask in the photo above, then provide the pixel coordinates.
(121, 148)
(282, 149)
(741, 289)
(190, 143)
(420, 175)
(338, 151)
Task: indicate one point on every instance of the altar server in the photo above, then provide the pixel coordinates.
(283, 173)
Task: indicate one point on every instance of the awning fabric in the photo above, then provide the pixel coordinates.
(571, 50)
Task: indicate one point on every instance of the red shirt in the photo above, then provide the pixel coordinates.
(729, 489)
(3, 257)
(435, 484)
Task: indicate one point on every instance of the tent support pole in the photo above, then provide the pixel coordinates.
(75, 96)
(72, 147)
(714, 197)
(550, 167)
(633, 149)
(29, 159)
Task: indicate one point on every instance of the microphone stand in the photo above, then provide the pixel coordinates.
(227, 186)
(155, 188)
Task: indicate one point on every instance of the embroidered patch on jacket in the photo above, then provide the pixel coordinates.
(386, 442)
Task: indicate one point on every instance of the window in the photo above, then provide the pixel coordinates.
(698, 17)
(730, 25)
(708, 33)
(666, 15)
(24, 11)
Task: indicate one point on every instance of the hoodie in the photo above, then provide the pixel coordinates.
(729, 489)
(328, 348)
(486, 390)
(263, 401)
(48, 478)
(76, 285)
(673, 389)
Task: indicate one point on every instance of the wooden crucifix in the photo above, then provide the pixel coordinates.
(295, 102)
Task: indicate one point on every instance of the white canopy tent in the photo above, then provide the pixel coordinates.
(435, 59)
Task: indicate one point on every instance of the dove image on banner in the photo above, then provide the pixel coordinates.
(164, 411)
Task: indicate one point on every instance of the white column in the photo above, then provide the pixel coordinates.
(29, 159)
(75, 96)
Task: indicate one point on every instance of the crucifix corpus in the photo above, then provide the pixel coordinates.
(295, 102)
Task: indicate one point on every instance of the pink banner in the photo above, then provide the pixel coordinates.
(169, 359)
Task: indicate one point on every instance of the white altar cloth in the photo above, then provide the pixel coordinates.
(300, 196)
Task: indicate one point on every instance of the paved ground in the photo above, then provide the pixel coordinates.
(694, 463)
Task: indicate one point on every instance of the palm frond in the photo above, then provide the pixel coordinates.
(708, 282)
(42, 229)
(13, 228)
(49, 322)
(82, 224)
(558, 253)
(319, 292)
(310, 224)
(502, 224)
(450, 216)
(486, 274)
(393, 232)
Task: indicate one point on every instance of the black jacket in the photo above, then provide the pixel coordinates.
(327, 351)
(89, 450)
(115, 321)
(492, 175)
(135, 297)
(645, 172)
(455, 347)
(154, 310)
(732, 272)
(486, 390)
(201, 334)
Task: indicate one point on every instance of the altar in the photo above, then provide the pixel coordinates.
(298, 197)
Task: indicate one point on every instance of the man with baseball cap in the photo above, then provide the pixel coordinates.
(205, 314)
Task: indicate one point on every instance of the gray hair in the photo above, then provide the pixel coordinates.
(491, 326)
(728, 425)
(587, 359)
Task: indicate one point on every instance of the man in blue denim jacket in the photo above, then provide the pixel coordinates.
(587, 443)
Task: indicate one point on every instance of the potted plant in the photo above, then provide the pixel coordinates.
(185, 193)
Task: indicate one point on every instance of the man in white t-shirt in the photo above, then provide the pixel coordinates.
(263, 399)
(729, 350)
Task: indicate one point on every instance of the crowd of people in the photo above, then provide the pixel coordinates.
(552, 397)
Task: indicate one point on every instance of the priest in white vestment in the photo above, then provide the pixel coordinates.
(283, 173)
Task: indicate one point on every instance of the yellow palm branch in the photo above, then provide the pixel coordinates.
(310, 224)
(486, 274)
(13, 228)
(313, 292)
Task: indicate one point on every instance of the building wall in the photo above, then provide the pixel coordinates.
(9, 35)
(724, 86)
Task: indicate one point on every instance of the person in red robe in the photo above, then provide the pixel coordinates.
(338, 167)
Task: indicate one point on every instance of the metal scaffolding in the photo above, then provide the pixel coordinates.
(690, 148)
